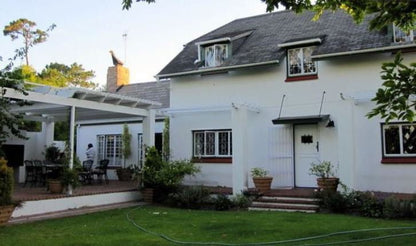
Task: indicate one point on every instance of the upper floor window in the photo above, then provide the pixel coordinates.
(212, 143)
(399, 140)
(300, 62)
(215, 55)
(401, 36)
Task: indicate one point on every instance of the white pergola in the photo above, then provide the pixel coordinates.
(50, 104)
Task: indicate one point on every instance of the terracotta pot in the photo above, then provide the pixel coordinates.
(328, 184)
(148, 195)
(5, 213)
(55, 186)
(124, 174)
(263, 184)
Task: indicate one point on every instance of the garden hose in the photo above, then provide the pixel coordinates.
(167, 238)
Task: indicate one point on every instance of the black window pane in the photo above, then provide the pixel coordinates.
(392, 140)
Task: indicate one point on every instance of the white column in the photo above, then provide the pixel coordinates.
(149, 129)
(71, 143)
(239, 117)
(48, 129)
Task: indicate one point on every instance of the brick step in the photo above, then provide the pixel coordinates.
(289, 200)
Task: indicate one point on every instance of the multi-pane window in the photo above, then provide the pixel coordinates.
(215, 55)
(401, 36)
(215, 143)
(109, 147)
(399, 140)
(300, 61)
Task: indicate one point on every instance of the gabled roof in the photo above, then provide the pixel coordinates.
(153, 91)
(336, 30)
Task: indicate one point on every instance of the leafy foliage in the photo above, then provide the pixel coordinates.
(61, 75)
(6, 183)
(25, 28)
(126, 4)
(193, 197)
(401, 13)
(324, 169)
(158, 173)
(126, 139)
(258, 172)
(396, 99)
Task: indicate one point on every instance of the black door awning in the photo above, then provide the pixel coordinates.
(309, 119)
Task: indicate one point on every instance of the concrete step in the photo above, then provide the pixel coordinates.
(281, 210)
(290, 200)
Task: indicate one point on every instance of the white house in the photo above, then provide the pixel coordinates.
(280, 91)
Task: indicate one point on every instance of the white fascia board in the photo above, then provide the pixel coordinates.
(215, 69)
(301, 42)
(213, 41)
(52, 99)
(356, 52)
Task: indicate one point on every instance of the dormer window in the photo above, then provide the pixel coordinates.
(300, 62)
(215, 55)
(399, 36)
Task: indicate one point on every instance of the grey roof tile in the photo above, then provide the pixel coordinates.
(340, 34)
(155, 91)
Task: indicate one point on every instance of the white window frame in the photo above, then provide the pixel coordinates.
(216, 62)
(400, 126)
(303, 73)
(407, 37)
(103, 143)
(217, 144)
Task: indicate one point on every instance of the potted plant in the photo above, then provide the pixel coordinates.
(261, 179)
(7, 205)
(324, 171)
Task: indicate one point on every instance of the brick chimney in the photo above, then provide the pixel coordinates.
(116, 76)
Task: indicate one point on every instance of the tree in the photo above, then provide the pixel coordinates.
(25, 29)
(126, 143)
(396, 99)
(61, 75)
(9, 122)
(399, 12)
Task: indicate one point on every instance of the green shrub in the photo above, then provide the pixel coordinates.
(241, 201)
(333, 201)
(370, 205)
(222, 202)
(6, 183)
(395, 208)
(193, 197)
(158, 173)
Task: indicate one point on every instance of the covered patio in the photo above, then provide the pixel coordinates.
(49, 105)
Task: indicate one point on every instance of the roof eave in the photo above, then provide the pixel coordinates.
(216, 69)
(363, 51)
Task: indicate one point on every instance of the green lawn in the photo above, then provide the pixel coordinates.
(113, 228)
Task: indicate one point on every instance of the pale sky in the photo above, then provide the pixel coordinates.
(86, 30)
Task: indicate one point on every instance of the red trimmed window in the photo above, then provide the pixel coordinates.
(300, 65)
(399, 142)
(212, 144)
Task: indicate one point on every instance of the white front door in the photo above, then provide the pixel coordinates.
(306, 151)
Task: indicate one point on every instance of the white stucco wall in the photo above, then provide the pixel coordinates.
(87, 133)
(353, 145)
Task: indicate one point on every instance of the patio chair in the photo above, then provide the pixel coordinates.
(101, 171)
(40, 172)
(86, 174)
(30, 173)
